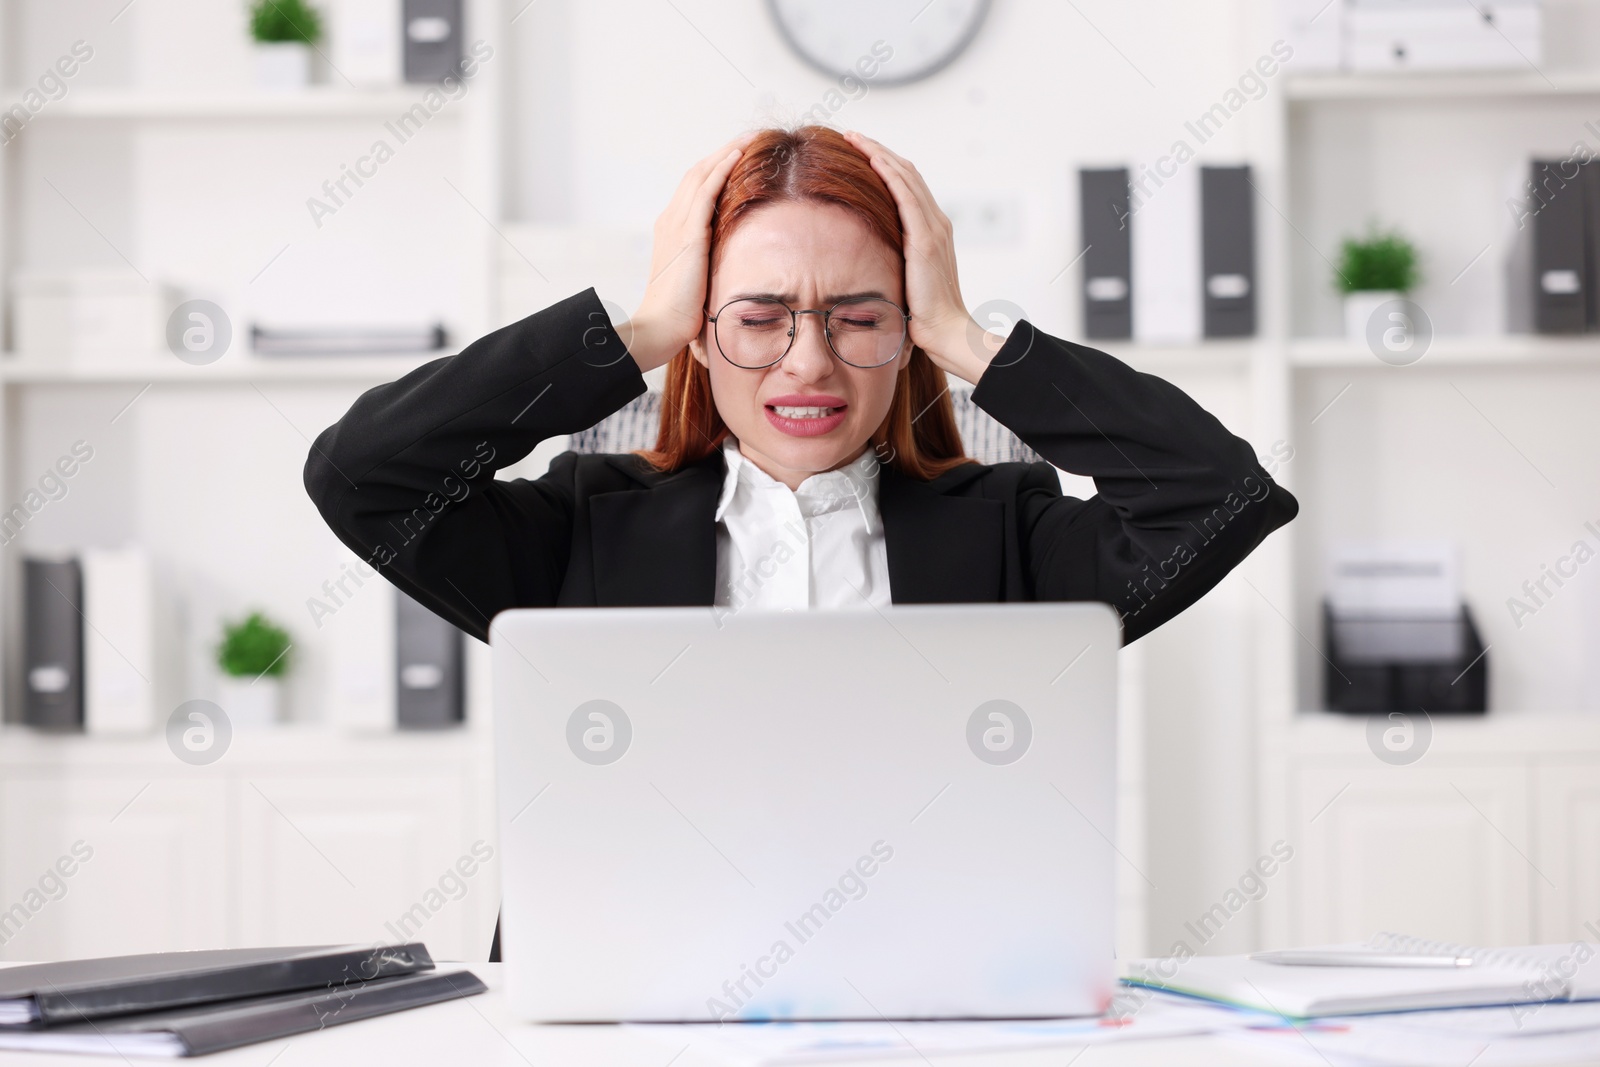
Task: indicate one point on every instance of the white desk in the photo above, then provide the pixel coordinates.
(478, 1031)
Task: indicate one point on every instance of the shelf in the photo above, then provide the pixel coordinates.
(1513, 351)
(1543, 733)
(1200, 356)
(320, 102)
(1443, 86)
(229, 369)
(287, 743)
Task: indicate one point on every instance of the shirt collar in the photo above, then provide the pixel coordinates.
(855, 484)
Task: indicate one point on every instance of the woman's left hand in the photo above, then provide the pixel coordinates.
(940, 324)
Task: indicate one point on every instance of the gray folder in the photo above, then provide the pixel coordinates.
(431, 37)
(1228, 251)
(1591, 242)
(1560, 273)
(49, 994)
(428, 668)
(199, 1030)
(1108, 256)
(52, 679)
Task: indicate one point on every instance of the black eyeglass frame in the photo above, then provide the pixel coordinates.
(794, 328)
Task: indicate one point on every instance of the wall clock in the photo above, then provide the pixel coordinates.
(921, 37)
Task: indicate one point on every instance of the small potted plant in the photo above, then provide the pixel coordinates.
(1374, 270)
(254, 656)
(284, 31)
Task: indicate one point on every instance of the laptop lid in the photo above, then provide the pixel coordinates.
(825, 815)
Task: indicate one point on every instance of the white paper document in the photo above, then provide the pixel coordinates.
(1133, 1017)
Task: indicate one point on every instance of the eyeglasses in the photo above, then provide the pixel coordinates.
(864, 332)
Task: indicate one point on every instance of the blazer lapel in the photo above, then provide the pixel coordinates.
(942, 549)
(656, 546)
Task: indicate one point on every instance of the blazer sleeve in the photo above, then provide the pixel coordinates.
(1180, 501)
(406, 478)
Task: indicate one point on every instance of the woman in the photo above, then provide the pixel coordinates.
(804, 298)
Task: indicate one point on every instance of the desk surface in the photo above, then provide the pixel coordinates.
(481, 1032)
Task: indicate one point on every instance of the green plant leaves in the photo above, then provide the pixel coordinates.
(285, 20)
(1381, 260)
(253, 647)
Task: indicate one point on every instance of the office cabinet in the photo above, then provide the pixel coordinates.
(295, 836)
(1439, 852)
(1491, 838)
(1567, 850)
(97, 865)
(352, 859)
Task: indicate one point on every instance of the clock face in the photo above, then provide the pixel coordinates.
(918, 37)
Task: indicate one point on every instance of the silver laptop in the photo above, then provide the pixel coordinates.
(903, 814)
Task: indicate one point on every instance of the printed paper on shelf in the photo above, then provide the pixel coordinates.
(1394, 578)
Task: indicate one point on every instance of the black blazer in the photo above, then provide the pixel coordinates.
(406, 480)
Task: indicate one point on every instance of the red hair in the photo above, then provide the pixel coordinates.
(812, 164)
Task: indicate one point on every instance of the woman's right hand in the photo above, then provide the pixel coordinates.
(672, 312)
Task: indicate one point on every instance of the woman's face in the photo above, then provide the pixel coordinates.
(811, 256)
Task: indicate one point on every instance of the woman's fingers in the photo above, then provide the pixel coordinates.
(671, 312)
(932, 291)
(711, 188)
(694, 180)
(919, 211)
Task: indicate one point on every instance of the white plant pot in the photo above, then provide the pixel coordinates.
(283, 66)
(1359, 308)
(251, 703)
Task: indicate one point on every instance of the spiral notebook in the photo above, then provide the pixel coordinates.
(1524, 975)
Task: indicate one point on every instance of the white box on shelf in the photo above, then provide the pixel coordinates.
(129, 651)
(1315, 30)
(364, 42)
(1443, 35)
(355, 613)
(1165, 241)
(88, 314)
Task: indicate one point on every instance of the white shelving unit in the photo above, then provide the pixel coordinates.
(313, 831)
(1481, 839)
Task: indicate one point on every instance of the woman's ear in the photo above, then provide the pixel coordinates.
(697, 350)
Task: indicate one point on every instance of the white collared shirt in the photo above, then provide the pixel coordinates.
(818, 546)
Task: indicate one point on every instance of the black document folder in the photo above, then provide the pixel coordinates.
(1228, 251)
(45, 994)
(1108, 253)
(1591, 242)
(432, 42)
(52, 652)
(202, 1029)
(1559, 262)
(429, 690)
